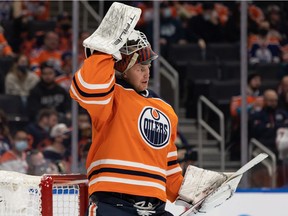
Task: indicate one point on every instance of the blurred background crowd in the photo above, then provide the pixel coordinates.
(199, 39)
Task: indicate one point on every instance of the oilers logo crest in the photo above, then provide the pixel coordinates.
(154, 127)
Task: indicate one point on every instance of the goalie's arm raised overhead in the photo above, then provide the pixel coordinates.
(93, 85)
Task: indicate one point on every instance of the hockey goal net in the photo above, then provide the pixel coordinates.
(47, 195)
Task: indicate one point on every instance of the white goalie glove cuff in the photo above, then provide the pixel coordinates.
(204, 190)
(198, 182)
(217, 198)
(220, 195)
(113, 31)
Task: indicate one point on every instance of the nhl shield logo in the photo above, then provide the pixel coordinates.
(154, 127)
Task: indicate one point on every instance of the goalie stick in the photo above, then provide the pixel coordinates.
(238, 173)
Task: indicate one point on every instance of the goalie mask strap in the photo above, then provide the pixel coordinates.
(88, 52)
(132, 61)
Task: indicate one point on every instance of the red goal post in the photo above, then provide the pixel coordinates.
(47, 195)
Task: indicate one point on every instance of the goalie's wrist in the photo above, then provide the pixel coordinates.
(182, 202)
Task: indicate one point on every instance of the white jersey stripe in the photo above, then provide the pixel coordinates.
(125, 163)
(172, 154)
(94, 86)
(127, 181)
(173, 171)
(99, 102)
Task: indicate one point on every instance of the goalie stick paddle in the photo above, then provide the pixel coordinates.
(240, 171)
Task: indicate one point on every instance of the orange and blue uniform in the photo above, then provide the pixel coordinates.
(133, 150)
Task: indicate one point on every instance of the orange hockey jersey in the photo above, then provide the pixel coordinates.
(133, 135)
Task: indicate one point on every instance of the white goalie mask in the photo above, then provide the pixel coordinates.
(136, 41)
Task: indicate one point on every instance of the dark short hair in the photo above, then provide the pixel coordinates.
(252, 76)
(45, 112)
(47, 64)
(66, 55)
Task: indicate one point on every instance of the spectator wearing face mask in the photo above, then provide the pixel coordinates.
(15, 159)
(20, 80)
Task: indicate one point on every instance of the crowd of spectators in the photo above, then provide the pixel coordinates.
(44, 145)
(267, 111)
(42, 71)
(215, 22)
(41, 74)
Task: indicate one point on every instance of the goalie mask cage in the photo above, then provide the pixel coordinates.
(47, 195)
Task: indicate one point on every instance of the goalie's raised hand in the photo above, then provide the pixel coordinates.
(114, 30)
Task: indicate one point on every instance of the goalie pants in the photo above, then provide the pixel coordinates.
(112, 204)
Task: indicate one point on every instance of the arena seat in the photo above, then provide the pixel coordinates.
(230, 70)
(269, 84)
(179, 53)
(268, 71)
(223, 51)
(221, 92)
(213, 52)
(195, 88)
(203, 70)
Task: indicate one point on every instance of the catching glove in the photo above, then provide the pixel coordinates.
(114, 30)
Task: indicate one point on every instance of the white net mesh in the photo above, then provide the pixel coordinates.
(19, 194)
(25, 195)
(66, 200)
